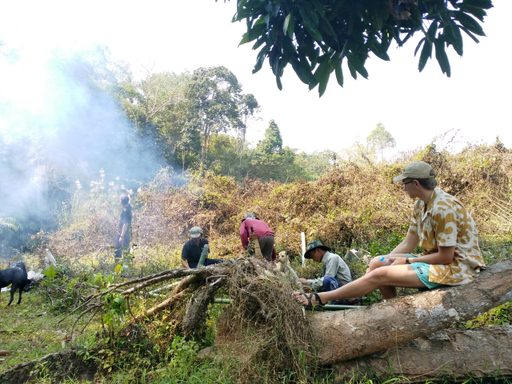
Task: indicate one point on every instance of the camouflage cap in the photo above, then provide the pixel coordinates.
(416, 170)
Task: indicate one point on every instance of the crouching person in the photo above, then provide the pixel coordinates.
(335, 272)
(195, 251)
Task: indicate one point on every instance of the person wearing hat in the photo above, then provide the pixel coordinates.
(440, 225)
(195, 251)
(335, 272)
(251, 225)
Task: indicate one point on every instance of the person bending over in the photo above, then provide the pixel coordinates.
(251, 225)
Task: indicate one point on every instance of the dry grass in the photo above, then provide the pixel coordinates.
(352, 204)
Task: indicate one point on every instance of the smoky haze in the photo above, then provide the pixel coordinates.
(58, 124)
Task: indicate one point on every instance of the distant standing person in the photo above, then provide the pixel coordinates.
(195, 251)
(124, 229)
(252, 225)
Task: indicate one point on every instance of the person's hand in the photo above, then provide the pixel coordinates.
(379, 261)
(398, 260)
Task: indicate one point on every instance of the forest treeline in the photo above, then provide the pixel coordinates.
(351, 205)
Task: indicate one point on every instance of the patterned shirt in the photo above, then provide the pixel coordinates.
(444, 222)
(334, 266)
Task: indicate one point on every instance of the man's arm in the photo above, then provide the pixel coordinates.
(331, 266)
(315, 284)
(123, 232)
(184, 254)
(408, 244)
(445, 230)
(244, 235)
(444, 255)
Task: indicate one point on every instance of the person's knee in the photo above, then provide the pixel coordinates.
(376, 262)
(329, 283)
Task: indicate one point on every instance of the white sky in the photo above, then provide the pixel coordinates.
(178, 35)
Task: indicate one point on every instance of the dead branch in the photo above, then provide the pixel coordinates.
(197, 309)
(94, 303)
(161, 306)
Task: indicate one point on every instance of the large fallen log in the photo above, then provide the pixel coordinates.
(346, 335)
(457, 354)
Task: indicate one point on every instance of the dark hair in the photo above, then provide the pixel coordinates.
(125, 199)
(429, 183)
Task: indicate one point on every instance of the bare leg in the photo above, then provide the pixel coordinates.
(389, 276)
(388, 292)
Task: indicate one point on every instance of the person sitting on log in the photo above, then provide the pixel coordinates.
(335, 272)
(440, 225)
(195, 251)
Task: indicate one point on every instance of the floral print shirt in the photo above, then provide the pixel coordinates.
(444, 222)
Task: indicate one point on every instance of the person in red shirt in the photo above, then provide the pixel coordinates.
(252, 225)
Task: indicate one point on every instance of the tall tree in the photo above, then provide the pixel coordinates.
(271, 161)
(317, 36)
(249, 107)
(272, 142)
(225, 158)
(182, 112)
(158, 108)
(380, 139)
(217, 104)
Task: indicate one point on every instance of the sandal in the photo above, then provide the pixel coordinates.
(313, 306)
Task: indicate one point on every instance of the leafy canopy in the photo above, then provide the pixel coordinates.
(316, 36)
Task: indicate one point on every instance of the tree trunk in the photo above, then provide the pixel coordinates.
(354, 333)
(451, 353)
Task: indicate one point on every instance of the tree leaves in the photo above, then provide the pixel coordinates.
(315, 36)
(442, 58)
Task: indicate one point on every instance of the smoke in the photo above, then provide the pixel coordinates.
(60, 123)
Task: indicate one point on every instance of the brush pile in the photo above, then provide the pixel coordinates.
(263, 330)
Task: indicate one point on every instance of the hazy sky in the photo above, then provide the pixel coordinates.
(172, 35)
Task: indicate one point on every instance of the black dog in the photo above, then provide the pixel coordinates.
(17, 277)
